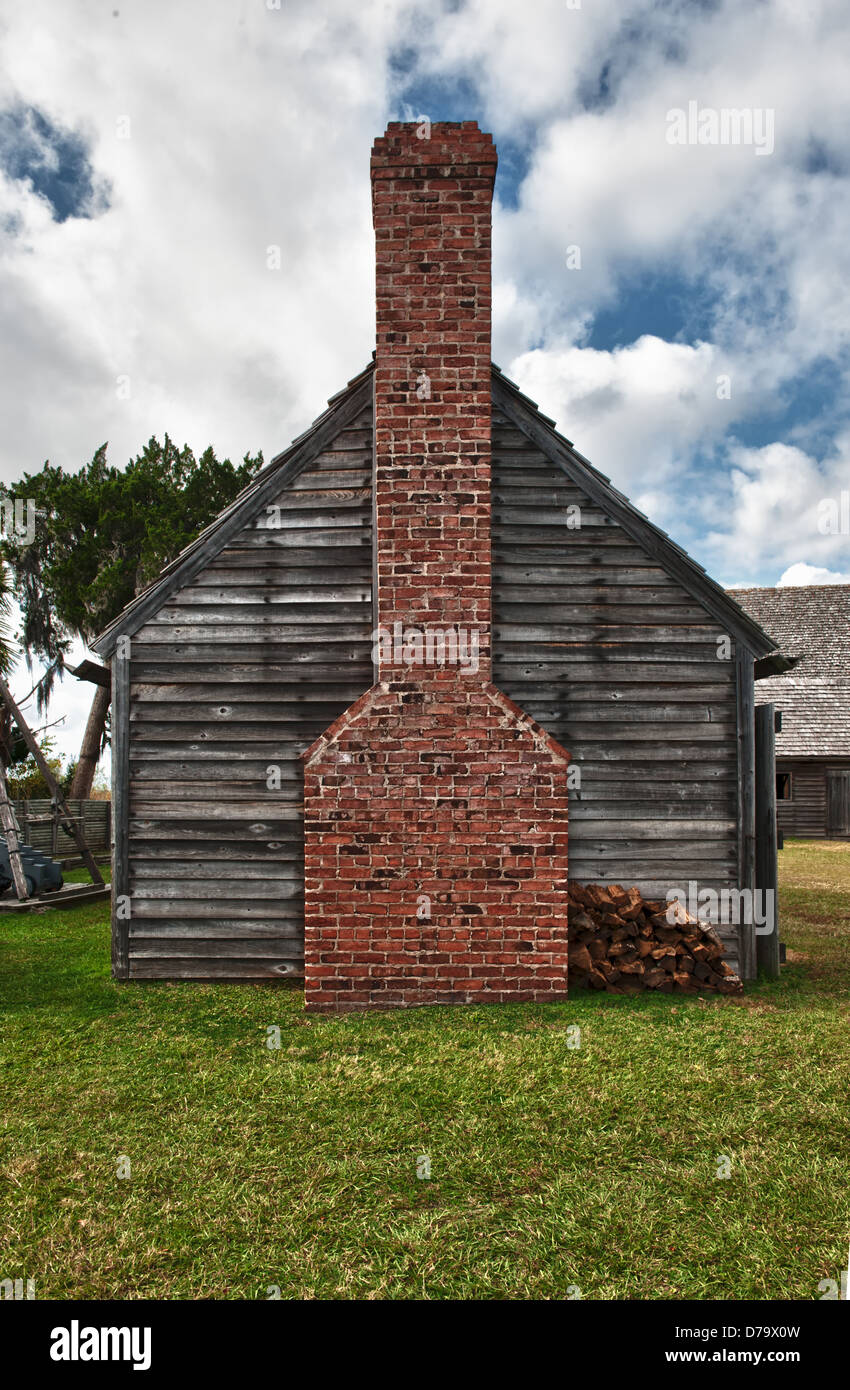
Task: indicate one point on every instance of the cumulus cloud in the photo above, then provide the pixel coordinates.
(757, 245)
(644, 408)
(782, 501)
(235, 138)
(801, 573)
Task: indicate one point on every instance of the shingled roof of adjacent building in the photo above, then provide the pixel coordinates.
(812, 624)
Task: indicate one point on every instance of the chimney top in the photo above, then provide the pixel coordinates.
(442, 145)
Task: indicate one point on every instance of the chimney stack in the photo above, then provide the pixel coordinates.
(435, 811)
(432, 190)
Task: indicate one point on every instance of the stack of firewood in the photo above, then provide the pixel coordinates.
(623, 943)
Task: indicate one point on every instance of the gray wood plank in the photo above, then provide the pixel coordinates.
(120, 810)
(746, 798)
(766, 857)
(177, 969)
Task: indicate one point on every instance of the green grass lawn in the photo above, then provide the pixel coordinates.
(553, 1168)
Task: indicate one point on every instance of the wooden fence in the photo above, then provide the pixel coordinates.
(39, 822)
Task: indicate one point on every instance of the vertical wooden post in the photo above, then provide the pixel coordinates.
(7, 819)
(767, 864)
(746, 799)
(120, 812)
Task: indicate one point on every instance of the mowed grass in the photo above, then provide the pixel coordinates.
(554, 1169)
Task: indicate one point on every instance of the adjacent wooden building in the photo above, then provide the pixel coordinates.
(811, 626)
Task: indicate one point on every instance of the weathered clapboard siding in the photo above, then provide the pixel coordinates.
(269, 642)
(611, 655)
(805, 814)
(238, 672)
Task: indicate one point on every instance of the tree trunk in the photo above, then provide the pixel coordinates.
(90, 750)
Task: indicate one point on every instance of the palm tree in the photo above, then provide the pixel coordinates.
(8, 657)
(8, 649)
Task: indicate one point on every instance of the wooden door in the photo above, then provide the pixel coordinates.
(838, 803)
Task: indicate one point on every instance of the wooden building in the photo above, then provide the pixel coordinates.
(811, 626)
(260, 635)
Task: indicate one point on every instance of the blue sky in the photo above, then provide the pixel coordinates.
(151, 154)
(50, 160)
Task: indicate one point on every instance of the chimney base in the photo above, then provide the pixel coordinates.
(435, 853)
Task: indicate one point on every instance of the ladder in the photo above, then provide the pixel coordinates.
(10, 830)
(68, 822)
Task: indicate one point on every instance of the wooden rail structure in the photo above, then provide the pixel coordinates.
(67, 821)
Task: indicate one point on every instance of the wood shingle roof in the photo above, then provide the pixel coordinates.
(812, 624)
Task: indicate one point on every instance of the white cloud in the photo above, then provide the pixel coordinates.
(249, 128)
(800, 573)
(766, 236)
(776, 509)
(637, 412)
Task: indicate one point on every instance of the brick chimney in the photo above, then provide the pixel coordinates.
(435, 811)
(431, 200)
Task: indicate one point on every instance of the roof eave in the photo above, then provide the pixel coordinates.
(774, 665)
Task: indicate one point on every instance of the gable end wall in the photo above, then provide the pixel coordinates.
(247, 665)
